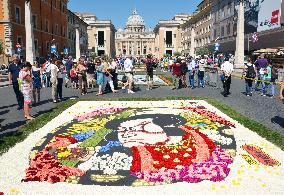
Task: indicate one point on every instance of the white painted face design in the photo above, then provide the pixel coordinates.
(140, 132)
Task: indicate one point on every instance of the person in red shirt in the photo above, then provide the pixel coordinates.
(176, 72)
(73, 76)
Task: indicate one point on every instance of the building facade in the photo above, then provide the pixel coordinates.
(169, 35)
(224, 24)
(75, 23)
(197, 30)
(49, 21)
(135, 40)
(101, 36)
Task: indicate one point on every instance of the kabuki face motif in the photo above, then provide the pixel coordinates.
(122, 146)
(140, 132)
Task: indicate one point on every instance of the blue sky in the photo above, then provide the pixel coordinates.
(119, 10)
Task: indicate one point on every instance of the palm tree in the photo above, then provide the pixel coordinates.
(29, 32)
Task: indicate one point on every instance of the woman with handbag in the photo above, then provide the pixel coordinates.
(100, 76)
(26, 82)
(201, 73)
(37, 81)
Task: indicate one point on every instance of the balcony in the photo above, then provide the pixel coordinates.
(101, 47)
(169, 46)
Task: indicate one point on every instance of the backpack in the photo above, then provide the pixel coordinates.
(274, 73)
(184, 68)
(124, 79)
(250, 72)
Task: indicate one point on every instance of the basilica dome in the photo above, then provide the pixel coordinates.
(135, 19)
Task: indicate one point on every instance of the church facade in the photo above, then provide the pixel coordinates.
(135, 40)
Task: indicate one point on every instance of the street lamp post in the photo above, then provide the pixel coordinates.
(29, 33)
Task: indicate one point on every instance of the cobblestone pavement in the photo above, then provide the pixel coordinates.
(266, 110)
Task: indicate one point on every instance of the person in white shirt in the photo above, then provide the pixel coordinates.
(191, 69)
(128, 67)
(47, 73)
(53, 78)
(113, 67)
(227, 69)
(60, 77)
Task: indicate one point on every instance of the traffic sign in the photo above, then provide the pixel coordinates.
(18, 45)
(216, 47)
(254, 37)
(53, 49)
(65, 51)
(18, 50)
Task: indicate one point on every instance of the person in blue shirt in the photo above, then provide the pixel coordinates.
(14, 70)
(191, 69)
(68, 67)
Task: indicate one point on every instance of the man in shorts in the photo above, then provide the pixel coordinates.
(128, 67)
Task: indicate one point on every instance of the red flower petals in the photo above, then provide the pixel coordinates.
(62, 141)
(210, 115)
(44, 167)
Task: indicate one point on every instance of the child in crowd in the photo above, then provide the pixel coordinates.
(73, 76)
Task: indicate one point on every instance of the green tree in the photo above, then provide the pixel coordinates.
(177, 54)
(202, 51)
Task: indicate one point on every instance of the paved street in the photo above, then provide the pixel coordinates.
(262, 109)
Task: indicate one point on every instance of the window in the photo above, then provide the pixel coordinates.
(34, 21)
(222, 31)
(169, 38)
(63, 31)
(36, 45)
(63, 8)
(47, 47)
(20, 40)
(46, 29)
(229, 29)
(101, 37)
(235, 28)
(215, 34)
(56, 29)
(229, 9)
(18, 15)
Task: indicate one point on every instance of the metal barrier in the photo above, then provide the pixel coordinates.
(211, 76)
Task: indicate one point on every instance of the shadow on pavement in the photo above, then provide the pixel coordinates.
(4, 112)
(278, 120)
(4, 107)
(14, 125)
(14, 133)
(43, 102)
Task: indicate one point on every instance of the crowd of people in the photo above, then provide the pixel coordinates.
(264, 73)
(28, 78)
